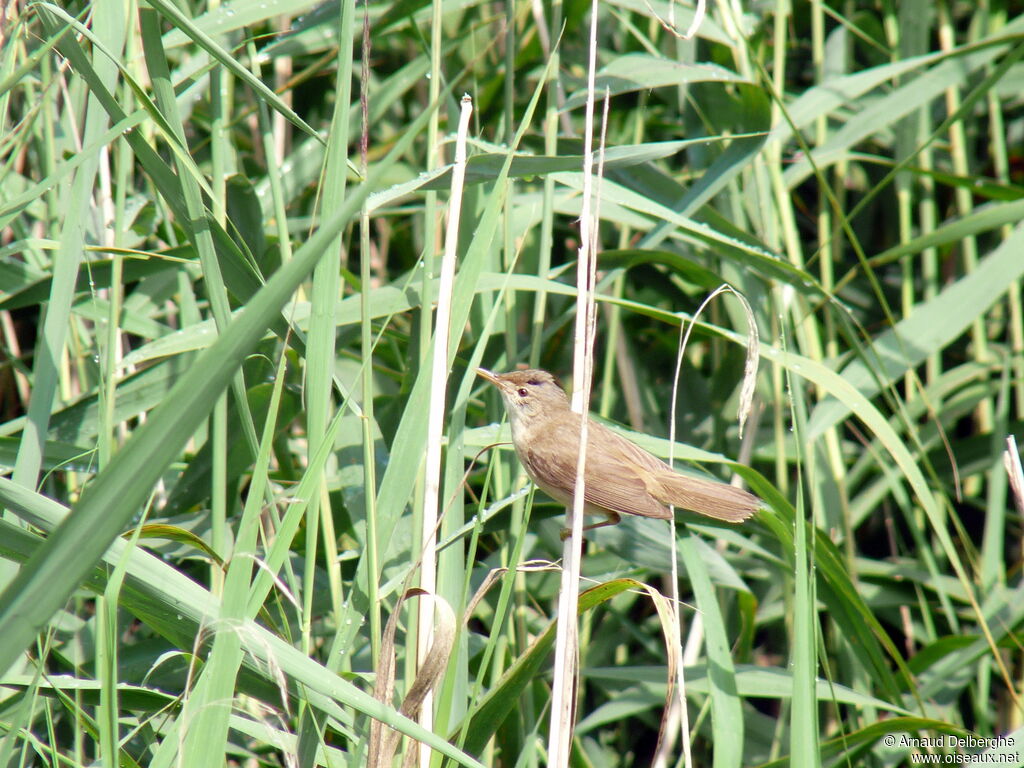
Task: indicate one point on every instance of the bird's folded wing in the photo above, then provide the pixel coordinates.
(666, 485)
(611, 481)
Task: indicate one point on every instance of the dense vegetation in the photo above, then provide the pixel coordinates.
(221, 238)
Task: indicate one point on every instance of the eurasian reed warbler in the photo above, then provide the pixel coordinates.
(620, 476)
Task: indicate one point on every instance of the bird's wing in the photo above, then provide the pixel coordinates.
(708, 497)
(613, 482)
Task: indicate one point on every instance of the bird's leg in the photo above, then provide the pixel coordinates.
(610, 518)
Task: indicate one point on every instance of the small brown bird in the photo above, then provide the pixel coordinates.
(620, 476)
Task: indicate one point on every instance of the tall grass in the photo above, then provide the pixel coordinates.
(221, 232)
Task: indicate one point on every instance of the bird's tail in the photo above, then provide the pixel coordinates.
(708, 497)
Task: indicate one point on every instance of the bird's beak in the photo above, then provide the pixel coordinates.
(491, 377)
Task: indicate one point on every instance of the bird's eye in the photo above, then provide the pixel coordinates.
(523, 392)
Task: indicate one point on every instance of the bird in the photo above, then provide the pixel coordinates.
(620, 477)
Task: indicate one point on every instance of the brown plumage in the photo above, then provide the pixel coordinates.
(620, 476)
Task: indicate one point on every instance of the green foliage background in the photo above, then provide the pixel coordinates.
(220, 234)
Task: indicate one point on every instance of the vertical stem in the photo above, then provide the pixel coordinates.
(566, 647)
(436, 414)
(550, 149)
(969, 244)
(366, 345)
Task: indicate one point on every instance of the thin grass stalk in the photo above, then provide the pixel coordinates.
(803, 723)
(220, 145)
(320, 342)
(1016, 334)
(66, 261)
(221, 160)
(205, 735)
(366, 348)
(927, 214)
(106, 672)
(432, 160)
(270, 137)
(430, 248)
(551, 118)
(189, 183)
(508, 249)
(969, 244)
(1012, 465)
(1001, 165)
(615, 334)
(695, 636)
(108, 334)
(584, 625)
(107, 667)
(283, 67)
(458, 692)
(830, 253)
(903, 42)
(908, 39)
(436, 414)
(220, 148)
(806, 330)
(563, 694)
(123, 169)
(274, 176)
(679, 700)
(994, 561)
(996, 19)
(783, 236)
